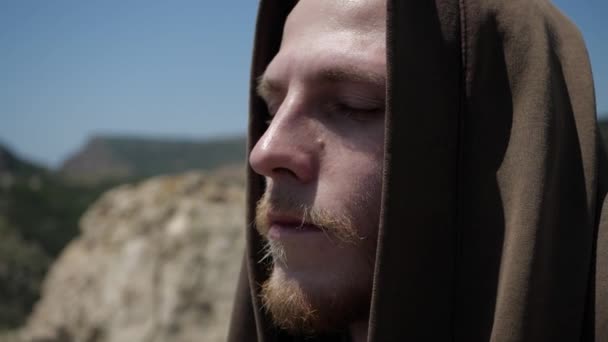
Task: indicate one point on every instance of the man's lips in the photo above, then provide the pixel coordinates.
(284, 227)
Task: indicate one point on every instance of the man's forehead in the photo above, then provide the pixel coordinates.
(327, 64)
(359, 15)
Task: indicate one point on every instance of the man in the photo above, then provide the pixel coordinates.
(322, 157)
(422, 171)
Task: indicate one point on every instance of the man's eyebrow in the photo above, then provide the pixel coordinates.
(352, 74)
(266, 88)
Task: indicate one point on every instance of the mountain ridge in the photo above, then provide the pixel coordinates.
(126, 157)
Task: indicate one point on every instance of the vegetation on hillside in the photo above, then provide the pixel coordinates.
(23, 266)
(39, 215)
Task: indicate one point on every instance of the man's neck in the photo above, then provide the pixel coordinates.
(358, 331)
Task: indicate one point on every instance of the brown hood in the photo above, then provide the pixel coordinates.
(491, 226)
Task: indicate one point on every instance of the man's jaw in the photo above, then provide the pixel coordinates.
(309, 289)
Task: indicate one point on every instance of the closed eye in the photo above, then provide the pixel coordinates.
(358, 113)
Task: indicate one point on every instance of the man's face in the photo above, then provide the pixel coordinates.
(322, 156)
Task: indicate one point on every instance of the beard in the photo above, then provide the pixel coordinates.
(331, 302)
(303, 310)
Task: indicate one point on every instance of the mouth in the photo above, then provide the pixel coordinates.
(282, 227)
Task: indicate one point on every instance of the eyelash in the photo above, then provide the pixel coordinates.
(340, 108)
(358, 114)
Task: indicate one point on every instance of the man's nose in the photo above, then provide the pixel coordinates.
(286, 151)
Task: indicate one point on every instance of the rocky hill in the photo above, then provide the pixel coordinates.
(40, 210)
(156, 261)
(106, 158)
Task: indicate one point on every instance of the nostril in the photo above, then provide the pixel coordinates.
(284, 171)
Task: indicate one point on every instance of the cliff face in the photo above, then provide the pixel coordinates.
(157, 261)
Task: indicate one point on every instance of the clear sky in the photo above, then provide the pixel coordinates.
(73, 68)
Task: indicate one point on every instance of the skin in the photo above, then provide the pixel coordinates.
(323, 150)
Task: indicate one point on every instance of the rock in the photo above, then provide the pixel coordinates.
(157, 261)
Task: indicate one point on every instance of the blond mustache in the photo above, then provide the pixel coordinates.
(337, 227)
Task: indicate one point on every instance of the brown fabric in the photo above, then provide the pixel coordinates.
(492, 226)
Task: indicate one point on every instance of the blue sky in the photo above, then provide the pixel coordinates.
(73, 68)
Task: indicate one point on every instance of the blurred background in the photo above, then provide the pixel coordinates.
(111, 95)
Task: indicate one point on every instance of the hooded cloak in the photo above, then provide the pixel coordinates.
(491, 225)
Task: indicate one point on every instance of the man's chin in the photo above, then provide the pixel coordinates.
(308, 304)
